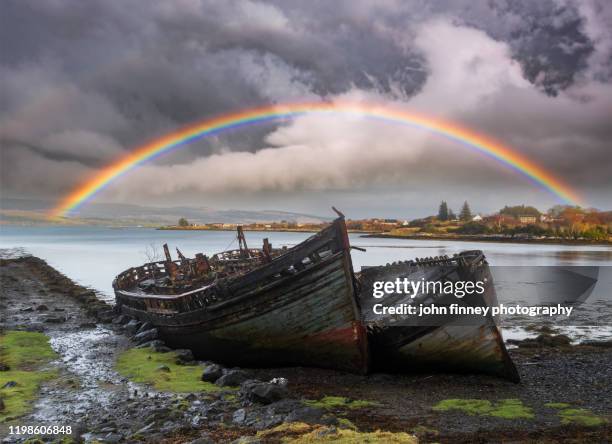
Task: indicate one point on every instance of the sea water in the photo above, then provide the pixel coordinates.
(93, 256)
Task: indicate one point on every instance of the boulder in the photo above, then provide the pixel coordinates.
(144, 327)
(232, 378)
(184, 357)
(239, 416)
(10, 384)
(292, 410)
(121, 319)
(150, 426)
(279, 381)
(163, 368)
(284, 407)
(132, 326)
(545, 340)
(4, 367)
(559, 340)
(212, 372)
(155, 344)
(309, 415)
(112, 438)
(263, 392)
(105, 316)
(146, 336)
(42, 307)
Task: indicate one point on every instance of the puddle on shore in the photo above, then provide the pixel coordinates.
(90, 383)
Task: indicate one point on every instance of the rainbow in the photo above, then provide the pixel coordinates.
(183, 136)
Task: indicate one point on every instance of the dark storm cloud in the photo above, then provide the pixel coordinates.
(84, 81)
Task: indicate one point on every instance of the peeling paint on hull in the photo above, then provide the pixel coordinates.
(265, 319)
(456, 345)
(305, 307)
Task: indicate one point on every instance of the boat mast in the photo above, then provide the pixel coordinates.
(244, 249)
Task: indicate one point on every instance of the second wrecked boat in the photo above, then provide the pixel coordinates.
(454, 342)
(305, 306)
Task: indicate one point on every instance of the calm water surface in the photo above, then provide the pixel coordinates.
(93, 256)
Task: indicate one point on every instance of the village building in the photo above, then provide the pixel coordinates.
(524, 219)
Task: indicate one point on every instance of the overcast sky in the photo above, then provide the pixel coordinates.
(82, 83)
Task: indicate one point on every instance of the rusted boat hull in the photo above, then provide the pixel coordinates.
(300, 309)
(459, 344)
(454, 348)
(304, 306)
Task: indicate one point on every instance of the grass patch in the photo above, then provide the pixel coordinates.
(580, 416)
(25, 350)
(558, 405)
(25, 353)
(505, 408)
(469, 406)
(300, 433)
(160, 371)
(345, 423)
(338, 402)
(574, 415)
(511, 409)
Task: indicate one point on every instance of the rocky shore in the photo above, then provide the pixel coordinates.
(111, 379)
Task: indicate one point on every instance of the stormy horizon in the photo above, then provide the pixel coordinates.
(83, 84)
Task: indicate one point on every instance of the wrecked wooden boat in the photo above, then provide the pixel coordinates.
(458, 343)
(295, 306)
(305, 306)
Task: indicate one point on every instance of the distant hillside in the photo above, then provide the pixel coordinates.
(33, 211)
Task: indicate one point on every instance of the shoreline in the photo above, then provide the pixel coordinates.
(552, 376)
(476, 238)
(277, 230)
(383, 235)
(271, 230)
(366, 234)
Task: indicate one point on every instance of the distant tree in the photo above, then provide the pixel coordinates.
(466, 213)
(451, 215)
(557, 210)
(183, 222)
(519, 210)
(443, 211)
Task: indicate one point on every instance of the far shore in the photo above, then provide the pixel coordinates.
(478, 238)
(272, 230)
(383, 235)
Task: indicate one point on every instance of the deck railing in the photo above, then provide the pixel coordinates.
(230, 263)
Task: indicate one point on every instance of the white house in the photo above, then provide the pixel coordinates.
(477, 218)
